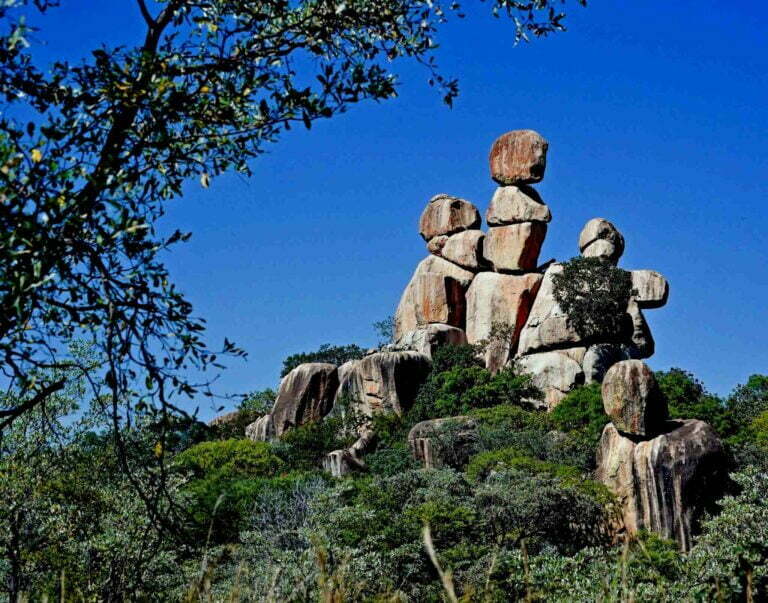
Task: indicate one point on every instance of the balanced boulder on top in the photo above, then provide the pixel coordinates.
(600, 238)
(632, 398)
(446, 215)
(518, 157)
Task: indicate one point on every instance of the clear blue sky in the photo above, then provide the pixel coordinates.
(656, 114)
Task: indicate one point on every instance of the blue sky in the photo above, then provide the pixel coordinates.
(656, 117)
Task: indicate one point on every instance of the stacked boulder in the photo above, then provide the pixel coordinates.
(662, 472)
(487, 289)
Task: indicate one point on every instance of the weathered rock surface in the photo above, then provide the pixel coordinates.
(652, 289)
(642, 343)
(261, 430)
(463, 248)
(506, 299)
(439, 298)
(225, 419)
(547, 326)
(515, 247)
(554, 373)
(444, 442)
(305, 395)
(427, 339)
(518, 157)
(632, 399)
(600, 238)
(446, 215)
(342, 462)
(385, 382)
(663, 484)
(600, 357)
(515, 204)
(409, 315)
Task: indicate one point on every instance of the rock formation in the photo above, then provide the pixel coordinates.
(662, 472)
(441, 442)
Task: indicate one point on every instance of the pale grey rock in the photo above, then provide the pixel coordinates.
(663, 484)
(261, 430)
(518, 157)
(345, 461)
(633, 400)
(642, 343)
(427, 339)
(446, 215)
(305, 395)
(547, 326)
(600, 357)
(515, 204)
(600, 229)
(516, 247)
(444, 442)
(503, 299)
(464, 249)
(651, 288)
(554, 373)
(410, 311)
(603, 249)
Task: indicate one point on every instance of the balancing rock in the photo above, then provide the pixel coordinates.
(515, 204)
(600, 238)
(515, 247)
(518, 157)
(446, 215)
(463, 248)
(633, 400)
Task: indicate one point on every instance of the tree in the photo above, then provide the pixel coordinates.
(594, 295)
(333, 354)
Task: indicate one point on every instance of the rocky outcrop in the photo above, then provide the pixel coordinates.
(427, 339)
(444, 442)
(651, 289)
(385, 382)
(464, 249)
(600, 357)
(348, 460)
(514, 248)
(515, 204)
(632, 398)
(554, 373)
(664, 483)
(446, 215)
(261, 430)
(642, 344)
(416, 307)
(518, 157)
(499, 299)
(305, 395)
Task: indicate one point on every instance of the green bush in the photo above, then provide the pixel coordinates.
(594, 295)
(582, 409)
(233, 427)
(333, 354)
(303, 447)
(224, 478)
(481, 465)
(687, 399)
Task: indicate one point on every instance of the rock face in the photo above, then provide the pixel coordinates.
(515, 204)
(464, 249)
(518, 157)
(632, 399)
(600, 357)
(439, 298)
(305, 395)
(427, 339)
(499, 298)
(440, 442)
(554, 373)
(642, 344)
(515, 247)
(652, 289)
(385, 382)
(411, 314)
(547, 326)
(663, 483)
(261, 430)
(600, 238)
(446, 215)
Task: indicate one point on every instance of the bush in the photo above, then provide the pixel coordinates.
(582, 409)
(333, 354)
(303, 447)
(748, 401)
(225, 476)
(233, 427)
(594, 295)
(260, 401)
(687, 399)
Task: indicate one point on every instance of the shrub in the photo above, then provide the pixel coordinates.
(304, 447)
(225, 477)
(594, 295)
(687, 399)
(748, 401)
(260, 401)
(481, 465)
(233, 427)
(582, 409)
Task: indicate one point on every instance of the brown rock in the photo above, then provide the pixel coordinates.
(515, 247)
(439, 298)
(663, 484)
(505, 299)
(427, 339)
(513, 204)
(409, 315)
(385, 382)
(518, 157)
(446, 215)
(603, 249)
(305, 395)
(444, 442)
(632, 399)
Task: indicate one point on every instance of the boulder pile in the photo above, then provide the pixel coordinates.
(487, 288)
(662, 472)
